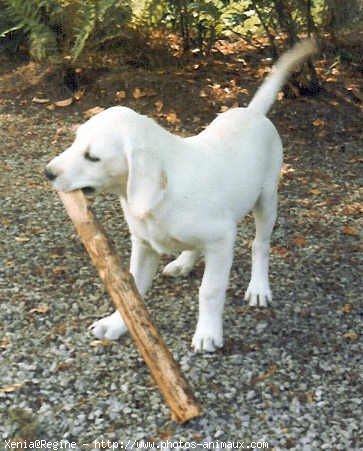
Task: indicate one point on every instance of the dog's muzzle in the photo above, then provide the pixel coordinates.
(88, 190)
(49, 174)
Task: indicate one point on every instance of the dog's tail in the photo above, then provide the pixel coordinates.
(267, 93)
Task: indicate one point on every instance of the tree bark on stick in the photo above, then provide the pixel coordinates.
(121, 286)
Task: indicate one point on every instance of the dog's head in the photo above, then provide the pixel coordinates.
(96, 159)
(112, 152)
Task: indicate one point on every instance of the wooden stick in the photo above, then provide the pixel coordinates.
(120, 284)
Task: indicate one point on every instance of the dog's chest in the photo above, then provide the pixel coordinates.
(154, 232)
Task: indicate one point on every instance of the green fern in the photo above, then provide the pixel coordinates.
(97, 19)
(28, 16)
(88, 21)
(52, 27)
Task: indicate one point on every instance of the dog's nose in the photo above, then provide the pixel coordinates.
(49, 174)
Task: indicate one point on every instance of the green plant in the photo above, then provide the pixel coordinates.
(53, 28)
(199, 23)
(33, 19)
(97, 20)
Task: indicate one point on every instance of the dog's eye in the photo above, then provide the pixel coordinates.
(89, 157)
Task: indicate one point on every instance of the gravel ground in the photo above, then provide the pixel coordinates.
(288, 376)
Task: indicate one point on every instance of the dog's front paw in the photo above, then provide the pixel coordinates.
(207, 339)
(109, 328)
(258, 295)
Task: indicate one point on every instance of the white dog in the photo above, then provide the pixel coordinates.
(187, 194)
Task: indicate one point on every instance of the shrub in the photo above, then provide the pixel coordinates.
(51, 29)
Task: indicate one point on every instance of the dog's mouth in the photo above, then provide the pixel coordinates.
(88, 190)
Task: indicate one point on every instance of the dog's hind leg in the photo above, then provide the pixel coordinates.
(258, 292)
(143, 266)
(182, 265)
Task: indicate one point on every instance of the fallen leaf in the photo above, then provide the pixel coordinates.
(59, 270)
(38, 231)
(137, 93)
(104, 343)
(354, 89)
(40, 270)
(333, 103)
(92, 111)
(63, 366)
(310, 397)
(347, 308)
(159, 105)
(172, 117)
(356, 160)
(164, 435)
(275, 390)
(280, 250)
(299, 241)
(353, 209)
(40, 309)
(287, 170)
(349, 230)
(352, 336)
(196, 436)
(4, 342)
(79, 94)
(318, 123)
(10, 388)
(64, 103)
(39, 100)
(61, 329)
(262, 377)
(59, 132)
(22, 239)
(315, 191)
(120, 95)
(12, 129)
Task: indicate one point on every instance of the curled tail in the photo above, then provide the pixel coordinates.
(267, 93)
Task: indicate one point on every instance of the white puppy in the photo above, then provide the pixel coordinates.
(187, 194)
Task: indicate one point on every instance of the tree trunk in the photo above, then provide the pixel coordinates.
(305, 82)
(286, 21)
(183, 18)
(341, 13)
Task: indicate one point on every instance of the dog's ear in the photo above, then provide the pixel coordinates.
(146, 182)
